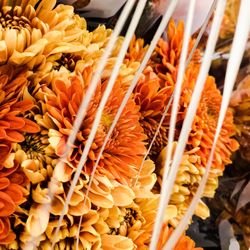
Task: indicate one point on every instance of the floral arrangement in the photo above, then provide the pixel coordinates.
(47, 61)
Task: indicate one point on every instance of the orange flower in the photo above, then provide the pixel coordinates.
(136, 50)
(203, 129)
(124, 150)
(12, 126)
(153, 93)
(183, 243)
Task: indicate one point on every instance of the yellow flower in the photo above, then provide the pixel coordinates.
(188, 177)
(31, 30)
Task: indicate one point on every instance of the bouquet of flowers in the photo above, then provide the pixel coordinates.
(48, 58)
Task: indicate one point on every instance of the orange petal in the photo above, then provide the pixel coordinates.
(7, 206)
(5, 149)
(4, 183)
(4, 228)
(23, 105)
(15, 193)
(14, 136)
(14, 122)
(30, 127)
(9, 239)
(2, 133)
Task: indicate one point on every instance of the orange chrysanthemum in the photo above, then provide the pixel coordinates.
(154, 91)
(204, 126)
(183, 243)
(124, 150)
(12, 125)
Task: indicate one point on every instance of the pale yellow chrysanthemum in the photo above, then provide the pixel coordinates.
(30, 31)
(188, 177)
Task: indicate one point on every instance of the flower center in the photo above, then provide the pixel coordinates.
(107, 120)
(130, 218)
(34, 147)
(68, 61)
(8, 21)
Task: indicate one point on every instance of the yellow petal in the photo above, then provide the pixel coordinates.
(10, 39)
(202, 210)
(37, 221)
(122, 195)
(116, 242)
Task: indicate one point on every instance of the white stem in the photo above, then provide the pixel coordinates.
(177, 93)
(237, 51)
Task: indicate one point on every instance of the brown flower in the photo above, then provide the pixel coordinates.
(240, 102)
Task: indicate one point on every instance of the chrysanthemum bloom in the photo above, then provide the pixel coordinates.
(187, 181)
(129, 223)
(137, 50)
(89, 237)
(74, 57)
(119, 200)
(29, 29)
(123, 153)
(12, 123)
(240, 102)
(183, 243)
